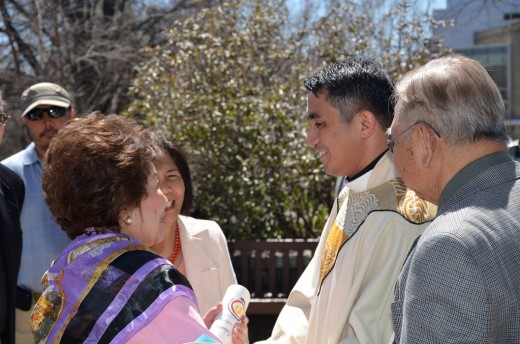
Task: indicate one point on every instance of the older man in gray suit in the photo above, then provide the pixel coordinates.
(461, 280)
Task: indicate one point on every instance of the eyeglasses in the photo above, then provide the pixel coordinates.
(36, 114)
(4, 118)
(391, 140)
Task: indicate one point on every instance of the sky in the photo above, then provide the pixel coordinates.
(439, 4)
(436, 4)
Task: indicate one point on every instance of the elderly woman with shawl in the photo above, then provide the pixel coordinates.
(106, 286)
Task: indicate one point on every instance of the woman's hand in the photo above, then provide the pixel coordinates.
(212, 313)
(240, 331)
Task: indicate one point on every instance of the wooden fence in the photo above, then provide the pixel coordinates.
(269, 269)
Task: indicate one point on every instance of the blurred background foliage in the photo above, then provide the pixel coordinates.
(227, 87)
(223, 79)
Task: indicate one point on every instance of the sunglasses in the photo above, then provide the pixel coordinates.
(4, 118)
(36, 114)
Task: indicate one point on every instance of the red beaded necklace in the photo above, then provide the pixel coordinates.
(177, 245)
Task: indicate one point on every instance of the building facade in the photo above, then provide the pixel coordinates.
(488, 31)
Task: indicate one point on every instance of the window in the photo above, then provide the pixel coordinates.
(510, 16)
(496, 61)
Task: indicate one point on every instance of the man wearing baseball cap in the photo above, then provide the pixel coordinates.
(45, 108)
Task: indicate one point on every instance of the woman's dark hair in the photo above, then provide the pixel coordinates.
(181, 161)
(96, 167)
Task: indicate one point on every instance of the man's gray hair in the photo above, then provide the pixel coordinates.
(456, 95)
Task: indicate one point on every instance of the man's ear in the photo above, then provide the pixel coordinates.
(368, 123)
(429, 145)
(72, 113)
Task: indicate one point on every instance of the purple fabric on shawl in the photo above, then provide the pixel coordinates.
(78, 268)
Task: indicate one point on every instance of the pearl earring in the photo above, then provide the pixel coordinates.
(129, 220)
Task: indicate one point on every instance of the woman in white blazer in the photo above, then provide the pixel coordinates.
(197, 248)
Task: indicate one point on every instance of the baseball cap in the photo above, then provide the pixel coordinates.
(44, 93)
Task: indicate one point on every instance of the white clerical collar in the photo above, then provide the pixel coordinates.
(359, 184)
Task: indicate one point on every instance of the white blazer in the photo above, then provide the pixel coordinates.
(207, 260)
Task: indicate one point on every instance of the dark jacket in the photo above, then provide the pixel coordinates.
(12, 193)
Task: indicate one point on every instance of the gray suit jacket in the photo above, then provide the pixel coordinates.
(461, 281)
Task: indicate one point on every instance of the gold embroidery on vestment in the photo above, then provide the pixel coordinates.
(390, 196)
(335, 240)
